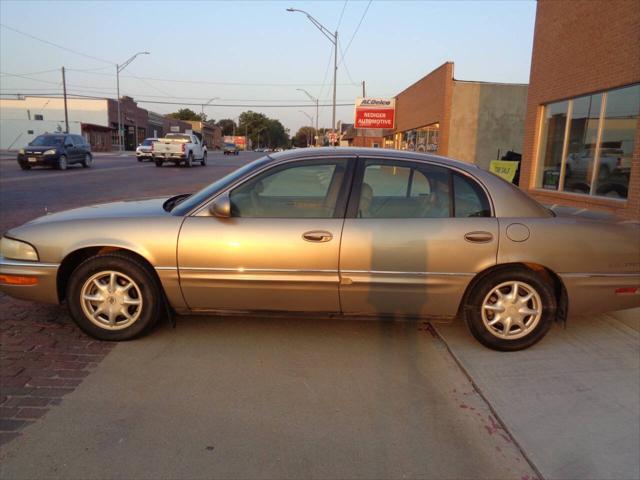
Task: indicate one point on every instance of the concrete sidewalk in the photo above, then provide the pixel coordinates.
(269, 398)
(572, 402)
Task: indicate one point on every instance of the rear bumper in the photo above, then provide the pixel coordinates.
(45, 274)
(169, 156)
(596, 292)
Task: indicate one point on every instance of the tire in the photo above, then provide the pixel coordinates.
(203, 162)
(87, 160)
(113, 325)
(536, 326)
(158, 163)
(140, 159)
(25, 166)
(189, 161)
(61, 164)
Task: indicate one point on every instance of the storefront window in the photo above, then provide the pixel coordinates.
(583, 136)
(620, 123)
(555, 121)
(599, 144)
(423, 139)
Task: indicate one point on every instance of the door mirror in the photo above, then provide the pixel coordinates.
(221, 207)
(68, 145)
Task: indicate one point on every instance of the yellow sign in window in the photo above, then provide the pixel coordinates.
(504, 168)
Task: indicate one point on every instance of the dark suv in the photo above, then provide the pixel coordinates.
(57, 150)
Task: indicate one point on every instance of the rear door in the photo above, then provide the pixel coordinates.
(414, 236)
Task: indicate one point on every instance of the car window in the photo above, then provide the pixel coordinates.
(470, 200)
(390, 190)
(308, 190)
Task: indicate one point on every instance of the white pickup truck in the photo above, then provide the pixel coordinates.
(179, 148)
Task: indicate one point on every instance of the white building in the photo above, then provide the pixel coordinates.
(21, 120)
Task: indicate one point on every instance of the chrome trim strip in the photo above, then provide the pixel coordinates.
(166, 268)
(419, 274)
(588, 275)
(252, 270)
(17, 263)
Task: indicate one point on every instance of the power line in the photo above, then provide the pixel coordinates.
(55, 44)
(206, 82)
(341, 14)
(356, 31)
(75, 95)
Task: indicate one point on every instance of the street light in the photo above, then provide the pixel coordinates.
(204, 105)
(311, 120)
(119, 68)
(333, 38)
(313, 99)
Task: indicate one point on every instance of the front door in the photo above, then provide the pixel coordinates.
(414, 237)
(280, 248)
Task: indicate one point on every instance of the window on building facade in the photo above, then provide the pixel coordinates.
(586, 143)
(38, 117)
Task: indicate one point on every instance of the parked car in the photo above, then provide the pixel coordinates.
(331, 231)
(230, 149)
(57, 150)
(179, 148)
(145, 149)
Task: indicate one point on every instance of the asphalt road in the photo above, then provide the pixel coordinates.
(233, 397)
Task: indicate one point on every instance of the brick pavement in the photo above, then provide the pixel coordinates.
(43, 357)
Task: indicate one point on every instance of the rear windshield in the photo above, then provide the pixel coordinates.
(47, 141)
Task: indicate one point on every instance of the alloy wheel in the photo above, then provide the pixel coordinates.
(511, 310)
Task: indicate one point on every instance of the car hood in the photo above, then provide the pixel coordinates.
(41, 149)
(150, 207)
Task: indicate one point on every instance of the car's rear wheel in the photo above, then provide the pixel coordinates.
(87, 161)
(113, 297)
(511, 309)
(203, 162)
(61, 164)
(189, 161)
(158, 163)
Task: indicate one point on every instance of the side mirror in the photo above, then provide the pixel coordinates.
(221, 207)
(68, 145)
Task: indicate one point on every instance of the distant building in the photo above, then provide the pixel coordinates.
(210, 133)
(471, 121)
(582, 134)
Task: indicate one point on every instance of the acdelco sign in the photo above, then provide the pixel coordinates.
(375, 113)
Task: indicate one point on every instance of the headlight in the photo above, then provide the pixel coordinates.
(50, 152)
(21, 151)
(17, 250)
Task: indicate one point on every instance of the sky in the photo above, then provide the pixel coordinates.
(257, 53)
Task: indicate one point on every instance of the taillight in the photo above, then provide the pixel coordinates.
(627, 290)
(184, 147)
(152, 147)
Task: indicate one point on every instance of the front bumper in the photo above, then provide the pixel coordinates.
(45, 288)
(34, 159)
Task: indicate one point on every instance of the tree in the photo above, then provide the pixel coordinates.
(262, 130)
(304, 137)
(186, 114)
(228, 126)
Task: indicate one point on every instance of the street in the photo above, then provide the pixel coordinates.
(227, 397)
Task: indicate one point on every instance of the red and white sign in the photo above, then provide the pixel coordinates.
(375, 112)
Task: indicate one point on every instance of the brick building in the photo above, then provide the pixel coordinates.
(467, 120)
(582, 135)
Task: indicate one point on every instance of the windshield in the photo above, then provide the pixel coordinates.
(47, 141)
(148, 142)
(200, 196)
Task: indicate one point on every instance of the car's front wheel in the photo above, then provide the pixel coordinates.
(511, 309)
(113, 297)
(87, 160)
(158, 163)
(189, 160)
(62, 163)
(203, 162)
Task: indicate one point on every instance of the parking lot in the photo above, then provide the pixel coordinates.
(287, 398)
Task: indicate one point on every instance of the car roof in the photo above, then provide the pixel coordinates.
(301, 153)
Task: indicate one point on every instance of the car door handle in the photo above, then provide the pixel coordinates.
(478, 237)
(317, 236)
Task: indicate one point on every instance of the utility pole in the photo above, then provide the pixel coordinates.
(66, 114)
(364, 94)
